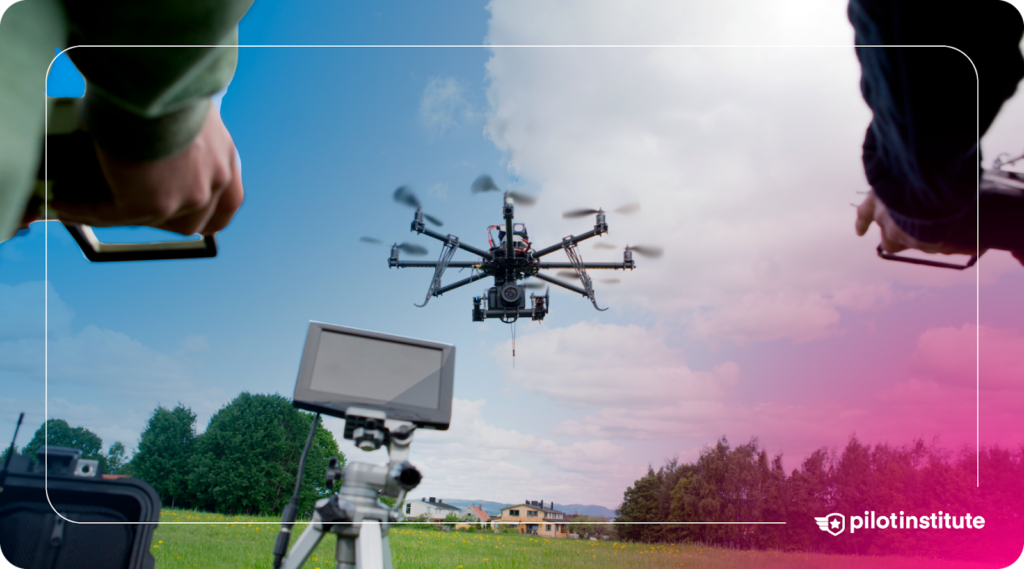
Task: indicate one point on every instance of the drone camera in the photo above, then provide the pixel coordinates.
(509, 295)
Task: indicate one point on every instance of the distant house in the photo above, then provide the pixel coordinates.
(533, 518)
(434, 509)
(475, 513)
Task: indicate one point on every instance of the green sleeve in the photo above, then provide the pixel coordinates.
(148, 103)
(29, 31)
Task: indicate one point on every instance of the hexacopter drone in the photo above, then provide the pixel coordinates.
(510, 258)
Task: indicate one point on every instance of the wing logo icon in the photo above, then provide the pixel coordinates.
(833, 523)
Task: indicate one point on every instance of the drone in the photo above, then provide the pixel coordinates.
(511, 258)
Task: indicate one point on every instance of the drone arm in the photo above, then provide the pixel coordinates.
(614, 266)
(555, 281)
(432, 264)
(457, 284)
(419, 227)
(597, 230)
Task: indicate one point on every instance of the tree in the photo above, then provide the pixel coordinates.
(247, 460)
(165, 448)
(726, 485)
(116, 460)
(57, 432)
(640, 504)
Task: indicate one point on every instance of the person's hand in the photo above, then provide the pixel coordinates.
(197, 190)
(895, 239)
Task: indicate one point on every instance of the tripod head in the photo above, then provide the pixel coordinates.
(355, 513)
(366, 428)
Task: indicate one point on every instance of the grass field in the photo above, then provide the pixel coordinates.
(248, 542)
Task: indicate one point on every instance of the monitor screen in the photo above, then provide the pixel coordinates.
(385, 372)
(408, 379)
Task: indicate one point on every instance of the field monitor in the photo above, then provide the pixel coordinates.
(406, 378)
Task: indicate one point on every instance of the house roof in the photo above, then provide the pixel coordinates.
(535, 507)
(441, 505)
(480, 513)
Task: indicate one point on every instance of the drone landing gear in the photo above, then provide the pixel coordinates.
(447, 252)
(577, 264)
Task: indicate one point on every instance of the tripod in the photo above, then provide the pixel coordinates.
(355, 514)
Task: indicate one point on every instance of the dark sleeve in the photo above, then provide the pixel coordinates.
(929, 107)
(147, 103)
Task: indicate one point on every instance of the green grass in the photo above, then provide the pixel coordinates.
(244, 544)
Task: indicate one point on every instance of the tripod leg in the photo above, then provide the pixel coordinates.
(369, 547)
(303, 547)
(386, 551)
(345, 552)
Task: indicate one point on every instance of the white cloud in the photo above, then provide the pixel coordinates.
(101, 379)
(659, 22)
(124, 426)
(639, 389)
(195, 343)
(27, 308)
(443, 105)
(589, 364)
(959, 357)
(758, 317)
(477, 460)
(745, 160)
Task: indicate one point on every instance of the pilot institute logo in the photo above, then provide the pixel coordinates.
(833, 523)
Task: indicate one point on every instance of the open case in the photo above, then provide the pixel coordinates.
(105, 522)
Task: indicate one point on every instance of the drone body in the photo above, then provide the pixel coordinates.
(509, 260)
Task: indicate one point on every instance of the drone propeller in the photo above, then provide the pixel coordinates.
(649, 251)
(574, 213)
(573, 275)
(532, 285)
(522, 199)
(626, 209)
(412, 249)
(485, 183)
(404, 195)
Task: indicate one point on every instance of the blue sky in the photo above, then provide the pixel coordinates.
(766, 317)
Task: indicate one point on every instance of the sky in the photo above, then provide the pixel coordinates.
(766, 317)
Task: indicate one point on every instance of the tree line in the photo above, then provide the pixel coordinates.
(245, 462)
(741, 484)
